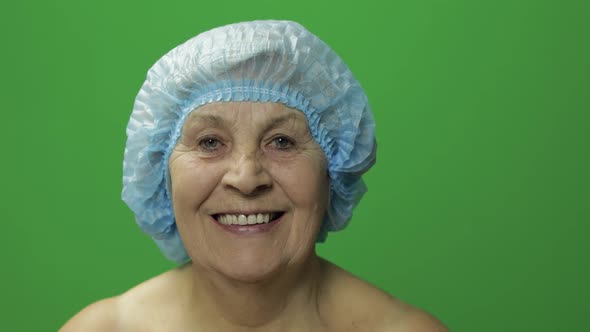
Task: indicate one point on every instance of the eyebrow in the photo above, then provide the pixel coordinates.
(208, 120)
(278, 121)
(217, 121)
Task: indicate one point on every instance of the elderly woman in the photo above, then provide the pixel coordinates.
(246, 146)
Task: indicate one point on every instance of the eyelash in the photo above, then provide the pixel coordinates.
(209, 139)
(277, 143)
(289, 141)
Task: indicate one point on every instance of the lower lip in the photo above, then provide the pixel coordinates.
(250, 229)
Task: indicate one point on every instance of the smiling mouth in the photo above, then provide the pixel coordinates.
(247, 219)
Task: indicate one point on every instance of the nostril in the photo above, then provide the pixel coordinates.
(246, 183)
(247, 176)
(249, 190)
(259, 190)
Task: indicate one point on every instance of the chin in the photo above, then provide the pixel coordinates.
(251, 269)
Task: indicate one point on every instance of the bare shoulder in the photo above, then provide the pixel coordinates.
(368, 308)
(416, 320)
(99, 316)
(138, 309)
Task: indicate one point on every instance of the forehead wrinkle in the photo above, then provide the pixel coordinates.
(207, 117)
(281, 120)
(200, 119)
(219, 115)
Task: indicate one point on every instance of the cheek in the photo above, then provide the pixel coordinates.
(306, 183)
(191, 185)
(307, 189)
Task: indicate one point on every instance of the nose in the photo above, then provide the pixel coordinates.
(247, 175)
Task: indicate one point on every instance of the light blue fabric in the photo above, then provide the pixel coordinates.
(263, 61)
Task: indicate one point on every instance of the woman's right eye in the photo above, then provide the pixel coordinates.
(209, 144)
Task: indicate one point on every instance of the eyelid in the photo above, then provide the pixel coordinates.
(207, 133)
(203, 138)
(292, 141)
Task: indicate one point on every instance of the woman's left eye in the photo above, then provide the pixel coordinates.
(282, 143)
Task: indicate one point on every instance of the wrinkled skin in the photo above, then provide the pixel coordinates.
(246, 156)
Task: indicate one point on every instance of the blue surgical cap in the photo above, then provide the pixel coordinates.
(260, 61)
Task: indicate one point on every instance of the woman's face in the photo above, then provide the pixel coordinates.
(254, 163)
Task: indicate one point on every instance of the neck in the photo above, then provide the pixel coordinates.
(278, 303)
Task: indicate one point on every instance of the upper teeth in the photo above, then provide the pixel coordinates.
(242, 219)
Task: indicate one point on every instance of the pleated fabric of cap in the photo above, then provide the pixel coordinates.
(259, 61)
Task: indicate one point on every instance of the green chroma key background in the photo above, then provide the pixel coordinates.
(478, 206)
